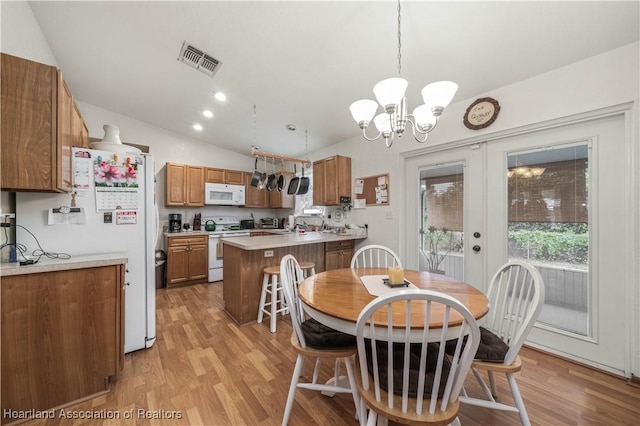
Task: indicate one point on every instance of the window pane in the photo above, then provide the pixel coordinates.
(442, 189)
(549, 227)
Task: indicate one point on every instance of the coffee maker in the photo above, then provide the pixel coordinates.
(175, 222)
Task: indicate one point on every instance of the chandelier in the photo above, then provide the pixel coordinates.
(390, 94)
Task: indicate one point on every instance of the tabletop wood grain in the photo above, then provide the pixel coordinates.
(341, 294)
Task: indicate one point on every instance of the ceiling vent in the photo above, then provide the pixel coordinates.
(199, 59)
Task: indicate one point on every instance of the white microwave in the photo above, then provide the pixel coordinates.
(223, 195)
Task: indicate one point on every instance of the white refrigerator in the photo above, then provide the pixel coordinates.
(116, 193)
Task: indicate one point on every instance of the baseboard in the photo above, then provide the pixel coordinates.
(634, 381)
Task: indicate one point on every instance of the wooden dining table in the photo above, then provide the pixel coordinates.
(336, 297)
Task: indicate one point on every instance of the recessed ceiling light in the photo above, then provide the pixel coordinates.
(220, 96)
(207, 113)
(197, 127)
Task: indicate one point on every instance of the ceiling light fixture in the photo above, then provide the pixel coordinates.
(220, 96)
(390, 93)
(207, 113)
(197, 127)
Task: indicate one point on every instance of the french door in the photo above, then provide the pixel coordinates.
(555, 198)
(447, 233)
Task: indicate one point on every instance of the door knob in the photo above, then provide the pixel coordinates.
(476, 248)
(476, 235)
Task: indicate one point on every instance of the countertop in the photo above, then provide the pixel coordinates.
(75, 262)
(286, 239)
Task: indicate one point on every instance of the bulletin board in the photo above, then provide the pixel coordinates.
(373, 190)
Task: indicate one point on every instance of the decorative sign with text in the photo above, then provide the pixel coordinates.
(482, 113)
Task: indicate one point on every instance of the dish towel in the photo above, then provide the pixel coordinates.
(375, 286)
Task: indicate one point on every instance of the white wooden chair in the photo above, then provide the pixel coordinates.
(425, 382)
(516, 296)
(291, 274)
(373, 256)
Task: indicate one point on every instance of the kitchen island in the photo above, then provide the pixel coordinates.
(246, 257)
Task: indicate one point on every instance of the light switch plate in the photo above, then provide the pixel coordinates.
(268, 253)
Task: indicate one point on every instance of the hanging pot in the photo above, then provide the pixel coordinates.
(281, 179)
(263, 176)
(255, 178)
(294, 183)
(272, 180)
(209, 226)
(304, 184)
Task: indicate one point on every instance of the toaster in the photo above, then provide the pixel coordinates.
(271, 223)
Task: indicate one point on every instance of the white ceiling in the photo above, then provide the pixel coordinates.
(305, 62)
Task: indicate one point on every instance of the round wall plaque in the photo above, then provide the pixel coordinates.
(481, 113)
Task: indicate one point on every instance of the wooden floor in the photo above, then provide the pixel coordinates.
(205, 370)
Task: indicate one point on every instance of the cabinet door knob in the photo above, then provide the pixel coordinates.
(476, 248)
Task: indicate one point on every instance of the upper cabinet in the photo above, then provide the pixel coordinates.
(254, 197)
(331, 179)
(230, 177)
(184, 185)
(39, 125)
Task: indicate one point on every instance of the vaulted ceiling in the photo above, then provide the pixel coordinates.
(305, 62)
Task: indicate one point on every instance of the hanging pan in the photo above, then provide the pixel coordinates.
(272, 180)
(294, 183)
(263, 176)
(255, 178)
(281, 179)
(304, 184)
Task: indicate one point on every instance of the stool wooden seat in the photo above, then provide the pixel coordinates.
(306, 267)
(271, 286)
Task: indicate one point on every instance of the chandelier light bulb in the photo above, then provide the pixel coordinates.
(363, 111)
(382, 122)
(424, 118)
(439, 94)
(390, 92)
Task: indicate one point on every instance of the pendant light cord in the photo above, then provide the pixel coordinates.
(399, 43)
(254, 125)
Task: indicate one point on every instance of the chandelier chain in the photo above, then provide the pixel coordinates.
(399, 43)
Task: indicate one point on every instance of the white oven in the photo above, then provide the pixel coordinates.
(226, 226)
(223, 195)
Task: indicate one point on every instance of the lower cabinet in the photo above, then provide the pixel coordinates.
(187, 259)
(338, 254)
(62, 336)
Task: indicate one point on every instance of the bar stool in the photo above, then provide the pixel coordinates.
(271, 285)
(306, 267)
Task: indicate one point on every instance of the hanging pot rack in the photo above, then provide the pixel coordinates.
(256, 153)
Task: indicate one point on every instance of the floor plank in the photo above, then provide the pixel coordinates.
(206, 370)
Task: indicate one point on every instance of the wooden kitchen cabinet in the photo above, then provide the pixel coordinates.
(62, 336)
(184, 185)
(331, 179)
(37, 127)
(79, 131)
(338, 254)
(282, 200)
(187, 259)
(254, 197)
(230, 177)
